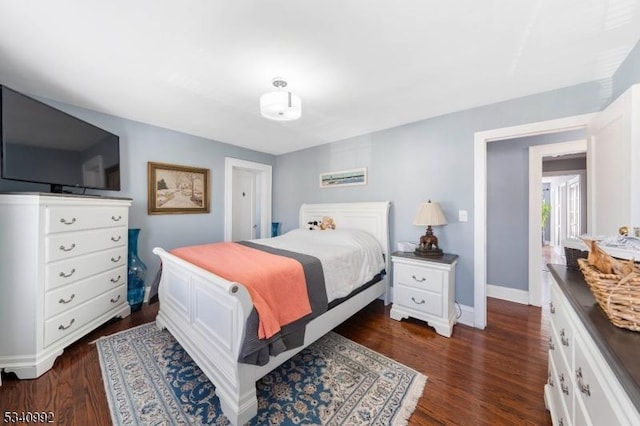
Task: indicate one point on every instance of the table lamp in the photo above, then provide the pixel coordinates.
(429, 214)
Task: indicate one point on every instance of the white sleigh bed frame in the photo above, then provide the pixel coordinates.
(207, 314)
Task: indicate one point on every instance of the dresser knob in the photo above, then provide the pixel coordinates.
(71, 247)
(63, 327)
(115, 240)
(68, 300)
(116, 260)
(564, 339)
(115, 300)
(583, 388)
(63, 275)
(552, 308)
(68, 222)
(115, 280)
(416, 302)
(421, 280)
(116, 219)
(565, 388)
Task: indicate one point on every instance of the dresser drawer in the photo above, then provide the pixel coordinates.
(559, 313)
(71, 270)
(419, 300)
(63, 219)
(70, 244)
(592, 390)
(74, 319)
(72, 295)
(560, 414)
(419, 277)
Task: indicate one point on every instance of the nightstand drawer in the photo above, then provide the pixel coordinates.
(419, 300)
(419, 277)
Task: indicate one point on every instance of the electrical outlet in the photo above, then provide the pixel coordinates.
(462, 216)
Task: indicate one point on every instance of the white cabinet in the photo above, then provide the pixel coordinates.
(582, 388)
(423, 288)
(63, 272)
(613, 157)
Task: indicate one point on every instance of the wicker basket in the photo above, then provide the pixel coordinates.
(572, 255)
(618, 296)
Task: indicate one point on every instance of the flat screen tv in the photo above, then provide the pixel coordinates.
(45, 145)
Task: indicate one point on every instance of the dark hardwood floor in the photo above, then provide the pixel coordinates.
(477, 377)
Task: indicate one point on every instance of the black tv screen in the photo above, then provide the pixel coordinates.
(45, 145)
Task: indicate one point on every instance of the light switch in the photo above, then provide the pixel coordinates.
(462, 216)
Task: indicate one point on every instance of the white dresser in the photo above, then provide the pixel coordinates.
(423, 288)
(593, 367)
(63, 272)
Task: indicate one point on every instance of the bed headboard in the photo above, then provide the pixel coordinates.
(372, 217)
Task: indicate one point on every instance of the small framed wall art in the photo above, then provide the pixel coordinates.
(177, 189)
(343, 178)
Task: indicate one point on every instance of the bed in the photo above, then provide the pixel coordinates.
(208, 314)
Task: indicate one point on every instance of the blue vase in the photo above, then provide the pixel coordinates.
(136, 272)
(275, 229)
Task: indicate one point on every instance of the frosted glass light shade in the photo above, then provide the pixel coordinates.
(280, 106)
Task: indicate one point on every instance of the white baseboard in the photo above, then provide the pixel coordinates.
(466, 315)
(506, 293)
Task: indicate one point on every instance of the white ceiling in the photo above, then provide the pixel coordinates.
(200, 66)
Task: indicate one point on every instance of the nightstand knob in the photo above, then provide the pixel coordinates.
(423, 279)
(416, 302)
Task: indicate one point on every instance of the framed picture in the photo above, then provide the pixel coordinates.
(343, 178)
(177, 189)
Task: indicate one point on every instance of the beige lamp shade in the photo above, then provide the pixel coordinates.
(429, 214)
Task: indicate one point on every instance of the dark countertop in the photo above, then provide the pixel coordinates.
(619, 347)
(447, 258)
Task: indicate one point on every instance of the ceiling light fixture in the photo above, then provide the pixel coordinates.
(280, 105)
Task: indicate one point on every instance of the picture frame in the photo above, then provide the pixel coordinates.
(175, 189)
(341, 178)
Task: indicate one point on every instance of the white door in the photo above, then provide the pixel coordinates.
(262, 181)
(556, 217)
(573, 207)
(613, 155)
(562, 208)
(244, 206)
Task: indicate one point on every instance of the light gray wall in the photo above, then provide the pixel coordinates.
(628, 73)
(430, 159)
(141, 143)
(508, 207)
(562, 165)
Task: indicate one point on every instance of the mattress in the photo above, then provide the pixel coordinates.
(349, 257)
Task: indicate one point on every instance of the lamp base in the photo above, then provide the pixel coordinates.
(433, 252)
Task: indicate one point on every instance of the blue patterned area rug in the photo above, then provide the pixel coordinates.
(150, 380)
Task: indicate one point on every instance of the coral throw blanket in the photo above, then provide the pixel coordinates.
(276, 283)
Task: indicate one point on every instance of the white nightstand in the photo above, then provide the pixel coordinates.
(423, 288)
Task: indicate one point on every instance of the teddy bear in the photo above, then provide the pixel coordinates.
(327, 223)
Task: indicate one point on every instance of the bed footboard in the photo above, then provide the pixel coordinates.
(207, 315)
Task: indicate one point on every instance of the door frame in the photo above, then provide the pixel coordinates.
(536, 154)
(263, 184)
(481, 139)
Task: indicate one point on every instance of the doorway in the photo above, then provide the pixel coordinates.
(481, 139)
(251, 214)
(244, 205)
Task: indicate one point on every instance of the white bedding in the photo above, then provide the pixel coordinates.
(349, 257)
